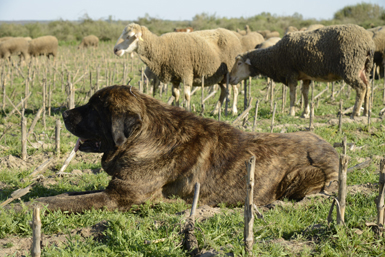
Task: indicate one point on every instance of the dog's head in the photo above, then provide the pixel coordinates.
(111, 116)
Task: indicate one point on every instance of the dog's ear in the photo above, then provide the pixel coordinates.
(124, 126)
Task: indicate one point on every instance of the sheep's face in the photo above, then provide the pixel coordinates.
(128, 41)
(240, 70)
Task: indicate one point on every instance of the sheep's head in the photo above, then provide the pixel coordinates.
(240, 70)
(128, 41)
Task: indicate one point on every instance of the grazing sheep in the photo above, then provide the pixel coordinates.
(327, 54)
(290, 29)
(89, 41)
(46, 45)
(379, 55)
(14, 46)
(188, 29)
(249, 42)
(267, 43)
(272, 34)
(244, 32)
(264, 32)
(184, 57)
(241, 32)
(314, 27)
(5, 38)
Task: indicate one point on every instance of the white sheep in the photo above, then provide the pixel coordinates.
(184, 57)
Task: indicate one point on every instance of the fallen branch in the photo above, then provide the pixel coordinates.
(323, 91)
(243, 114)
(42, 167)
(18, 105)
(14, 107)
(37, 117)
(209, 96)
(67, 162)
(17, 194)
(360, 165)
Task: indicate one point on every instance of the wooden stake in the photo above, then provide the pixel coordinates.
(49, 99)
(272, 118)
(255, 115)
(36, 232)
(272, 85)
(311, 127)
(97, 79)
(245, 105)
(342, 188)
(57, 137)
(227, 92)
(248, 212)
(203, 96)
(312, 99)
(4, 92)
(23, 137)
(195, 201)
(340, 117)
(26, 91)
(37, 117)
(283, 98)
(380, 202)
(91, 85)
(249, 95)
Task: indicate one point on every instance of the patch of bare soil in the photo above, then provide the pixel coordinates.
(18, 247)
(294, 246)
(202, 213)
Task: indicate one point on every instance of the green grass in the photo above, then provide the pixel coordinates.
(288, 229)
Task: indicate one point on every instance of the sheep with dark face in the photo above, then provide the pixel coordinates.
(14, 46)
(184, 57)
(89, 41)
(46, 45)
(326, 54)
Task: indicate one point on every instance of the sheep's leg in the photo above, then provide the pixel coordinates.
(187, 96)
(222, 96)
(361, 85)
(367, 100)
(175, 93)
(235, 99)
(292, 87)
(359, 100)
(305, 93)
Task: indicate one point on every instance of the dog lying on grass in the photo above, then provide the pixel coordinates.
(153, 150)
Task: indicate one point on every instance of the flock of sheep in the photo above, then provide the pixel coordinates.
(26, 47)
(318, 53)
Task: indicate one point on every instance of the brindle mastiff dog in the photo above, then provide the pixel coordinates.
(154, 150)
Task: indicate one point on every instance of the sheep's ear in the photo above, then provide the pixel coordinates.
(123, 127)
(248, 61)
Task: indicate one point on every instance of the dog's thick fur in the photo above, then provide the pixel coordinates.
(154, 150)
